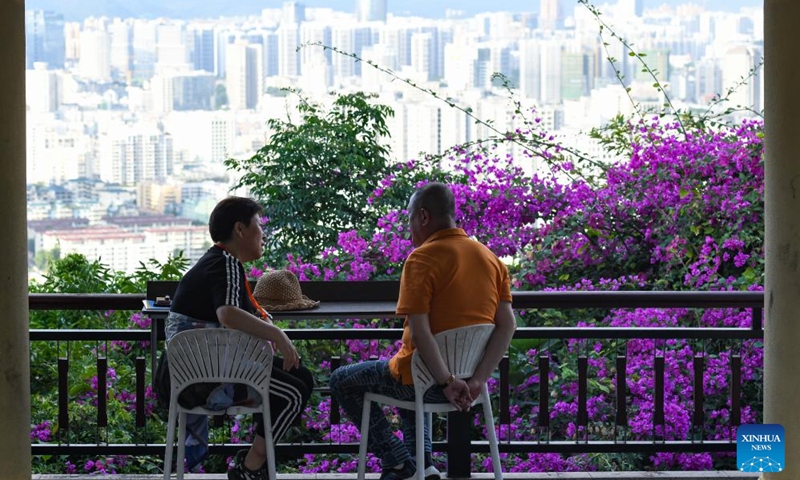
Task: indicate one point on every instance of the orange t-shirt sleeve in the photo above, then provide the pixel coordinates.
(416, 287)
(505, 285)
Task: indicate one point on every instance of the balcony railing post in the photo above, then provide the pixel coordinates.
(505, 401)
(459, 445)
(102, 398)
(141, 366)
(63, 398)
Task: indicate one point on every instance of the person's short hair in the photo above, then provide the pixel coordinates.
(437, 199)
(227, 213)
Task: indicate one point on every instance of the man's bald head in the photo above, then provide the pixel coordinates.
(438, 200)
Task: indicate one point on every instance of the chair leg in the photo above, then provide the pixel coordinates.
(430, 424)
(172, 418)
(362, 449)
(270, 443)
(429, 419)
(179, 467)
(491, 435)
(420, 436)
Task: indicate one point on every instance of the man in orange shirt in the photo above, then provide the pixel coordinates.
(448, 281)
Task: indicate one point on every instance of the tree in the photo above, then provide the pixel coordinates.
(315, 177)
(220, 96)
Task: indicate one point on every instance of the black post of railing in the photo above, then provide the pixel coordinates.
(458, 444)
(141, 366)
(544, 391)
(63, 397)
(505, 400)
(758, 319)
(336, 362)
(622, 391)
(583, 377)
(699, 398)
(736, 390)
(658, 415)
(102, 414)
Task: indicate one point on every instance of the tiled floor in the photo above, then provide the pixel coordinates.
(714, 475)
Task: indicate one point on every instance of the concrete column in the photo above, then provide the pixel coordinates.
(15, 449)
(782, 289)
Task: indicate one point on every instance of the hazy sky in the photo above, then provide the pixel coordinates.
(477, 6)
(78, 9)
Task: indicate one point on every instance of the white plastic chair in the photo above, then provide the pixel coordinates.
(217, 355)
(462, 349)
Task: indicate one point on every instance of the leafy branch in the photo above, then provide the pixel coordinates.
(639, 56)
(718, 99)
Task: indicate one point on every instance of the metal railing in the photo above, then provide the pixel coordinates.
(459, 444)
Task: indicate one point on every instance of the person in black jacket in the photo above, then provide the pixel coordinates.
(215, 293)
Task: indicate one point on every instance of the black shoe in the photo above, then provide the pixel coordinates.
(407, 472)
(240, 472)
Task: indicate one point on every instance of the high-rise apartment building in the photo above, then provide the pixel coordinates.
(57, 151)
(422, 129)
(72, 42)
(575, 70)
(224, 38)
(371, 10)
(131, 155)
(425, 52)
(271, 54)
(630, 8)
(465, 66)
(161, 93)
(288, 56)
(499, 59)
(172, 48)
(205, 138)
(658, 62)
(552, 51)
(203, 49)
(244, 75)
(551, 15)
(530, 68)
(349, 38)
(95, 62)
(423, 55)
(195, 90)
(41, 89)
(293, 12)
(144, 48)
(737, 65)
(317, 33)
(44, 38)
(121, 33)
(371, 78)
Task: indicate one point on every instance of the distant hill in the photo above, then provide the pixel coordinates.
(79, 9)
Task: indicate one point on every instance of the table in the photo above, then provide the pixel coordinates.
(326, 310)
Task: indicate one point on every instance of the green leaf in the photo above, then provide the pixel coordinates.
(750, 275)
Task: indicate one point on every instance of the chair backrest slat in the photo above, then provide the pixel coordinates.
(461, 349)
(219, 355)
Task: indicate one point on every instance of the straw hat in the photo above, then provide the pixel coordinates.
(280, 290)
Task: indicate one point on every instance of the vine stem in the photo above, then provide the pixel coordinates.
(536, 144)
(633, 53)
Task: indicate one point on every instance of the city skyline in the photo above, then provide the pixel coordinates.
(132, 118)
